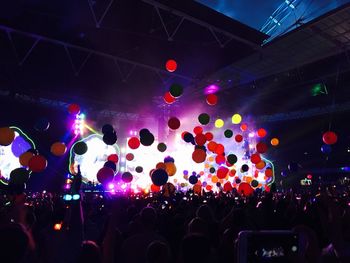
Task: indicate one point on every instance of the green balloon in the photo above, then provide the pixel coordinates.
(162, 147)
(19, 176)
(204, 118)
(176, 90)
(228, 133)
(80, 148)
(254, 183)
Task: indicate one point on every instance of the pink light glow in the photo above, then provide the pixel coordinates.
(211, 89)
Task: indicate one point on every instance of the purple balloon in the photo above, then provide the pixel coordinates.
(19, 146)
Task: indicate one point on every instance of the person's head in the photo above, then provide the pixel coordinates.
(205, 212)
(158, 252)
(195, 248)
(148, 217)
(14, 243)
(89, 253)
(197, 225)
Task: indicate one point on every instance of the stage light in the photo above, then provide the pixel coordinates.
(57, 226)
(211, 89)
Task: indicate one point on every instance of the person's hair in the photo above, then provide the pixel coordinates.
(148, 217)
(89, 253)
(158, 252)
(197, 225)
(14, 242)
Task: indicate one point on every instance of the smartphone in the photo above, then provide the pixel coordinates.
(268, 246)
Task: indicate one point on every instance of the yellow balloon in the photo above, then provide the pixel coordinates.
(219, 123)
(275, 141)
(236, 118)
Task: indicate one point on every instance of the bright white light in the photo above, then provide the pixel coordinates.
(95, 157)
(251, 135)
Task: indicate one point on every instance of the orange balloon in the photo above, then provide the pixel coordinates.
(244, 127)
(7, 135)
(199, 155)
(170, 168)
(268, 172)
(260, 165)
(25, 157)
(58, 148)
(275, 141)
(214, 179)
(212, 146)
(161, 166)
(211, 159)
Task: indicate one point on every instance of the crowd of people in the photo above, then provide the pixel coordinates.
(179, 228)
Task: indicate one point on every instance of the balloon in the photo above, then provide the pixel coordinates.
(139, 169)
(212, 170)
(127, 177)
(245, 168)
(208, 187)
(204, 118)
(274, 141)
(254, 183)
(244, 127)
(37, 163)
(73, 109)
(170, 168)
(231, 158)
(193, 179)
(238, 181)
(161, 147)
(220, 149)
(113, 158)
(212, 99)
(110, 138)
(219, 123)
(200, 139)
(134, 143)
(176, 90)
(293, 167)
(255, 158)
(111, 165)
(171, 65)
(42, 124)
(212, 146)
(147, 139)
(144, 132)
(245, 189)
(268, 172)
(261, 147)
(168, 98)
(228, 133)
(329, 137)
(174, 123)
(169, 159)
(188, 137)
(197, 189)
(220, 159)
(260, 165)
(19, 176)
(105, 175)
(7, 135)
(326, 149)
(198, 130)
(25, 157)
(58, 149)
(19, 146)
(129, 157)
(261, 133)
(309, 176)
(161, 166)
(209, 136)
(155, 188)
(238, 138)
(232, 172)
(284, 173)
(222, 172)
(228, 187)
(199, 156)
(107, 128)
(80, 148)
(236, 118)
(159, 177)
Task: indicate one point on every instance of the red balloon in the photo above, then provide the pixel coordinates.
(244, 127)
(199, 155)
(220, 149)
(73, 109)
(134, 143)
(113, 158)
(261, 133)
(171, 65)
(330, 138)
(174, 123)
(168, 98)
(212, 99)
(197, 130)
(200, 139)
(105, 175)
(129, 157)
(212, 146)
(261, 147)
(228, 187)
(222, 172)
(238, 138)
(245, 189)
(255, 158)
(155, 188)
(37, 163)
(209, 136)
(220, 159)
